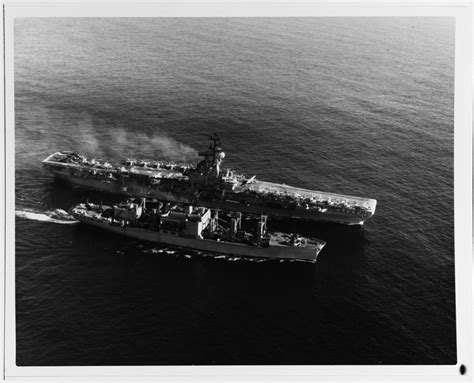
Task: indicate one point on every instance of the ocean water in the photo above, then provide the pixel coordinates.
(360, 106)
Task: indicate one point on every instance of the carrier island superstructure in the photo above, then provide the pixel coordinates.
(207, 184)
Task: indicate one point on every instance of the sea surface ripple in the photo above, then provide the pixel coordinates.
(360, 106)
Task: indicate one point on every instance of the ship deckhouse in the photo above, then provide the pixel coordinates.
(210, 165)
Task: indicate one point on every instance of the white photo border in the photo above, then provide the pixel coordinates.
(461, 11)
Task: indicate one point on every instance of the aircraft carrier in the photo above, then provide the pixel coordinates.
(207, 184)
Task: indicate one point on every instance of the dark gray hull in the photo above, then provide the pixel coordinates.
(308, 253)
(230, 203)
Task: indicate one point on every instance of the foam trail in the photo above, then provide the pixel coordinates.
(54, 216)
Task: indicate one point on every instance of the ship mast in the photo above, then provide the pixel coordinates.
(212, 157)
(215, 140)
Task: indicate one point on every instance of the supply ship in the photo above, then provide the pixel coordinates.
(206, 184)
(196, 228)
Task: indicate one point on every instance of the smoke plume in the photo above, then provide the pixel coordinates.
(117, 143)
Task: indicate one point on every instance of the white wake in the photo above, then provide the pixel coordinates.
(54, 216)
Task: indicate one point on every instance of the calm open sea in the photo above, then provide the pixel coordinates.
(360, 106)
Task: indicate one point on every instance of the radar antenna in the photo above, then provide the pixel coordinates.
(212, 157)
(215, 143)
